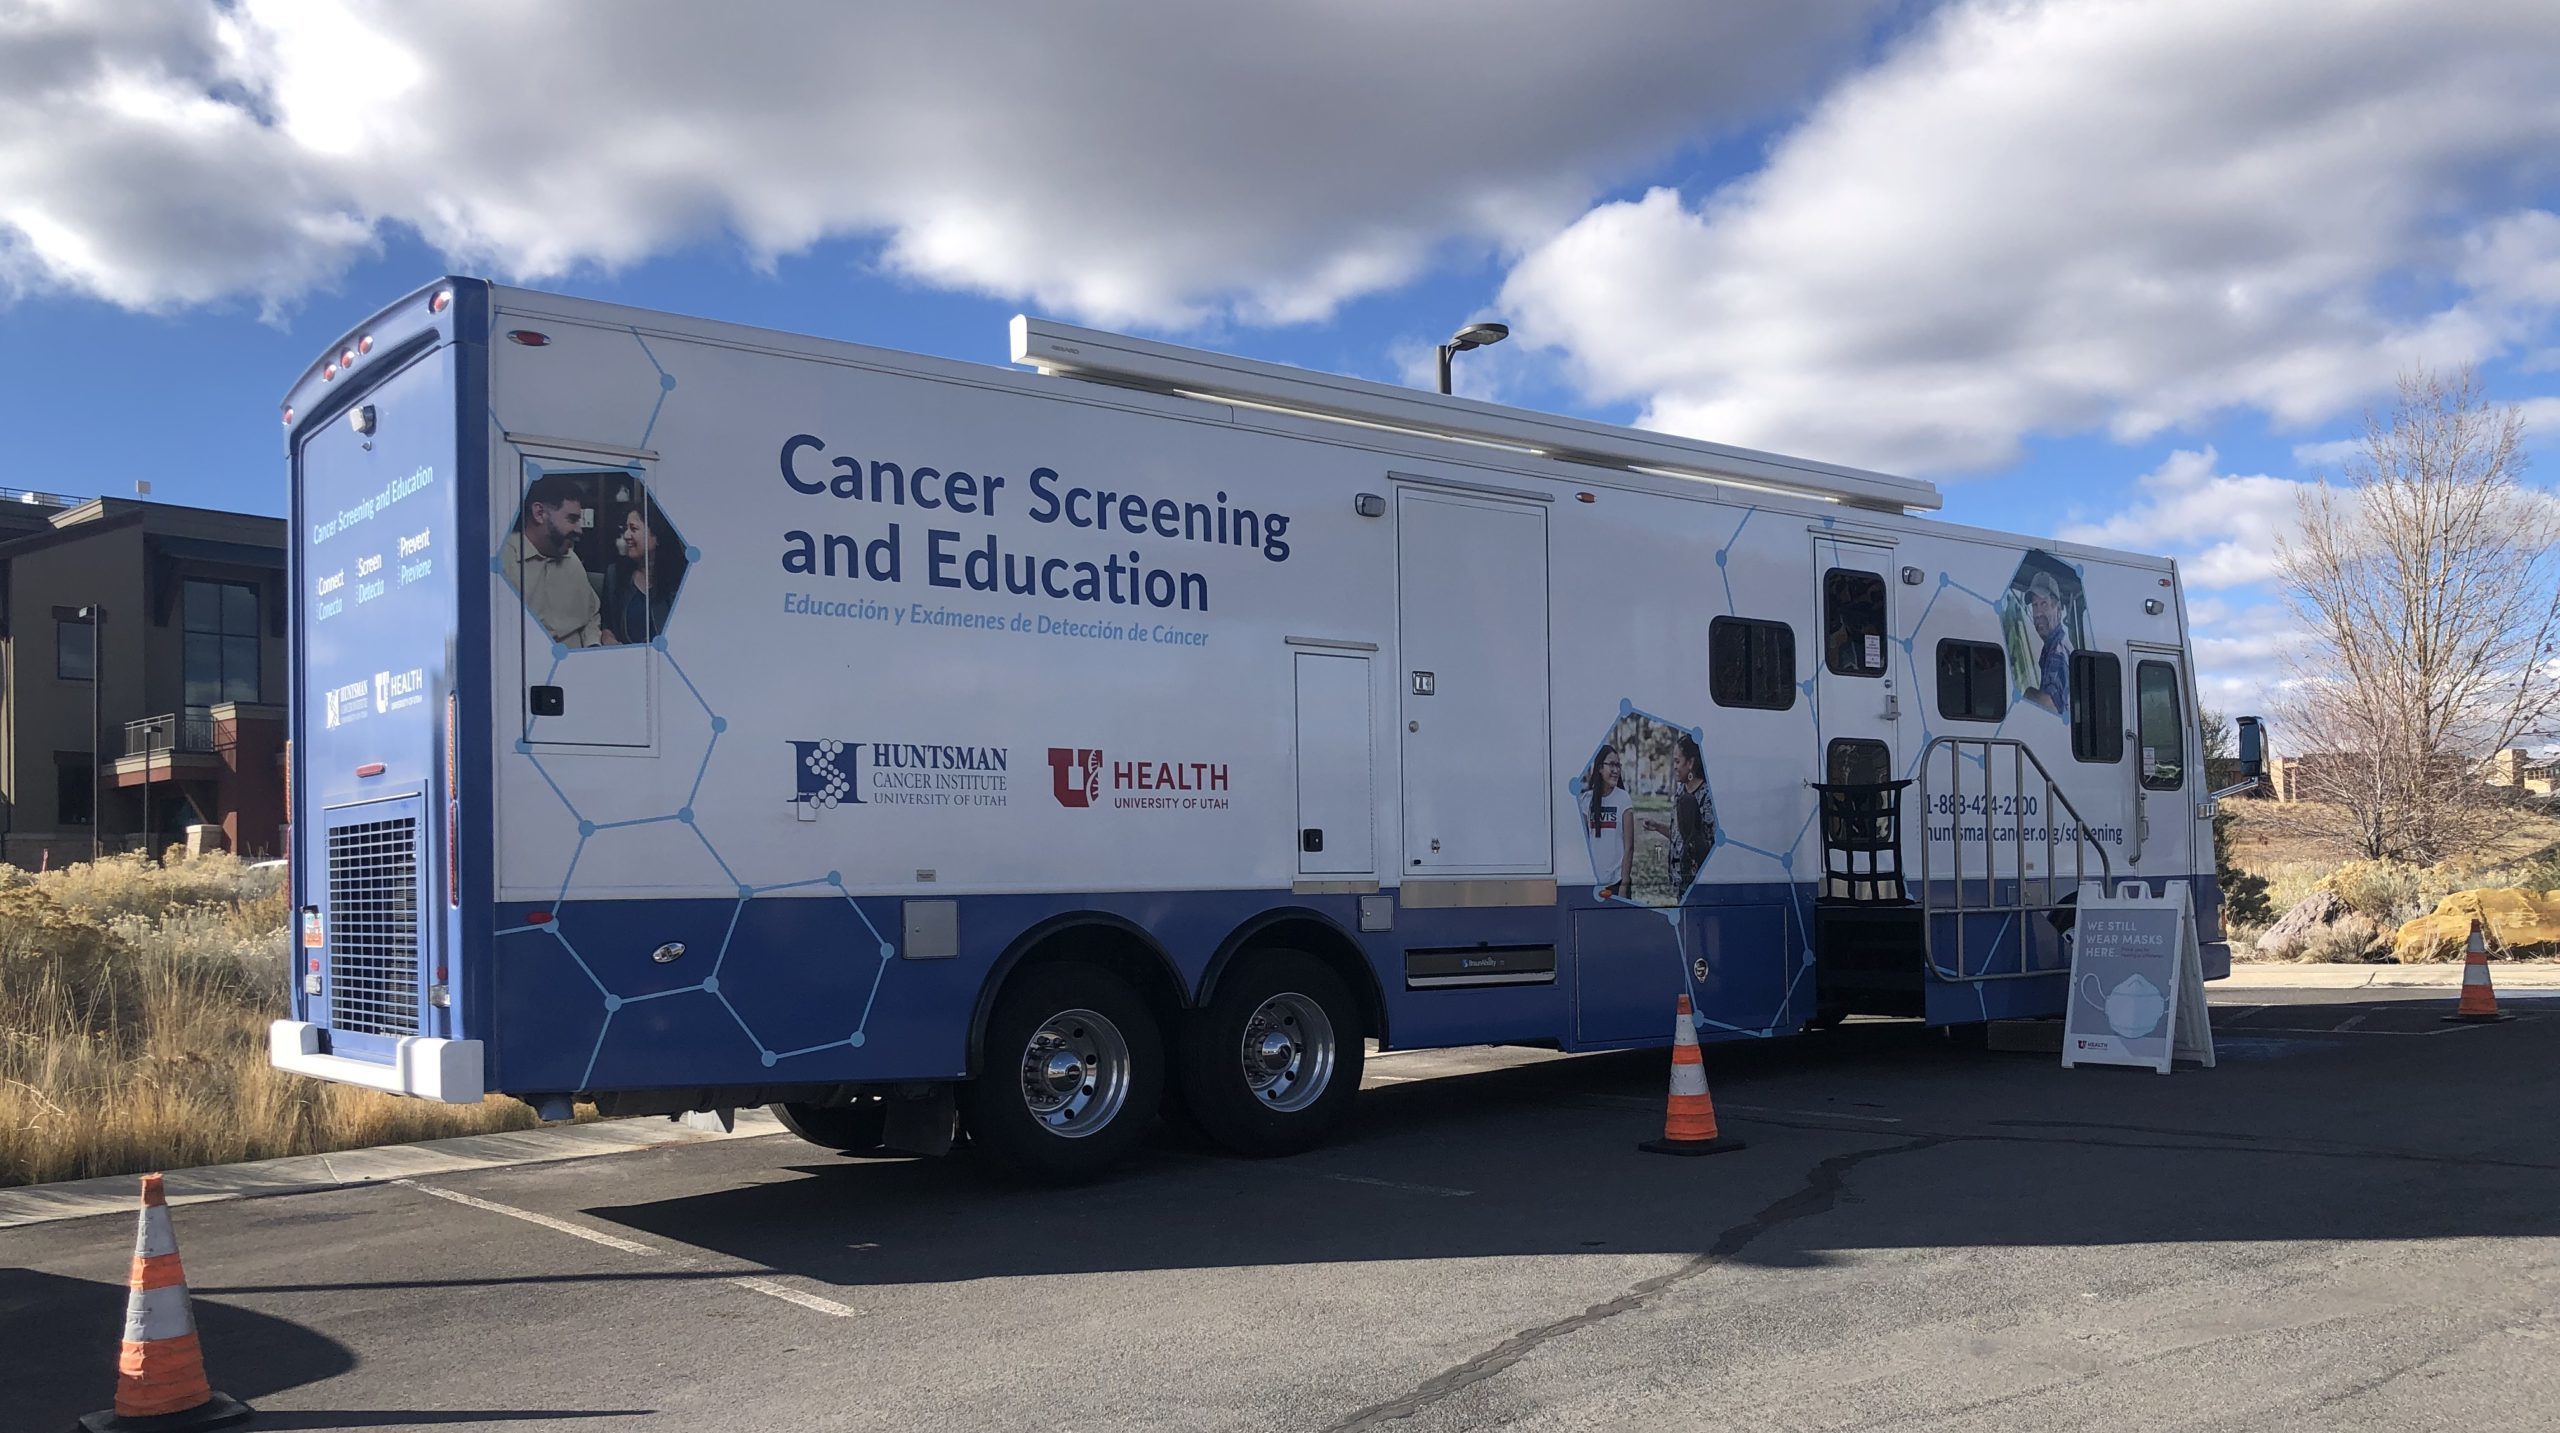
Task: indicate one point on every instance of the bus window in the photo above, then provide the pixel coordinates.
(2097, 706)
(1853, 622)
(1973, 681)
(2162, 729)
(1751, 663)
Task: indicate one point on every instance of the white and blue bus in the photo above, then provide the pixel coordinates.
(689, 716)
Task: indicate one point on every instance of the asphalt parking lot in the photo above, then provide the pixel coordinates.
(2353, 1222)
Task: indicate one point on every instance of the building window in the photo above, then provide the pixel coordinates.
(222, 645)
(75, 649)
(75, 793)
(1751, 663)
(1853, 622)
(1973, 681)
(2163, 730)
(2097, 707)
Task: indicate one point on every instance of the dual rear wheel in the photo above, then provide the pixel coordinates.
(1076, 1066)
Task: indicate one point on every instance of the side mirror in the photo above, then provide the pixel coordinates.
(2253, 750)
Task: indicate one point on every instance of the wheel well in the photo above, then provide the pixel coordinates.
(1315, 935)
(1091, 938)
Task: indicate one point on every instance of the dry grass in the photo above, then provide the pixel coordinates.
(2267, 841)
(134, 1001)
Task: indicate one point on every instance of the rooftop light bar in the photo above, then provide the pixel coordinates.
(1069, 351)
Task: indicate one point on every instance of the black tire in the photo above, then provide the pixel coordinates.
(1037, 1144)
(1216, 1085)
(856, 1128)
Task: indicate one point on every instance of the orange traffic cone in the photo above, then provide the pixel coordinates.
(160, 1383)
(1689, 1124)
(2479, 998)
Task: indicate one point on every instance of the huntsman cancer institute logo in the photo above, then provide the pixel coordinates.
(835, 771)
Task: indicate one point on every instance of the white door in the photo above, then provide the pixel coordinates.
(1471, 594)
(1858, 681)
(1336, 795)
(589, 675)
(2168, 789)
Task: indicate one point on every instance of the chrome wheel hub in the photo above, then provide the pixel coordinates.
(1288, 1052)
(1075, 1073)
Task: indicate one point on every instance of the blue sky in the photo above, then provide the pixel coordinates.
(2102, 269)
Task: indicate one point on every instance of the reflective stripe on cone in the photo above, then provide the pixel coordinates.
(160, 1381)
(2479, 1003)
(1689, 1119)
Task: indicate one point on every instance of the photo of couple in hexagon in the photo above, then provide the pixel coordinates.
(595, 560)
(1644, 810)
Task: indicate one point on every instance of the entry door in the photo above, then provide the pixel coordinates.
(1336, 796)
(589, 674)
(1858, 681)
(2168, 786)
(1471, 595)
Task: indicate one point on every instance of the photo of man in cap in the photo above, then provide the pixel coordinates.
(2053, 654)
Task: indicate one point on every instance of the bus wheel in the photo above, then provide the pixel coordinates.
(1071, 1077)
(854, 1128)
(1271, 1063)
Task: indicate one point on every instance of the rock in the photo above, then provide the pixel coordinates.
(2295, 928)
(2520, 925)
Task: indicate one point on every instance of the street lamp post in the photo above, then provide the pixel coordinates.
(1474, 335)
(97, 620)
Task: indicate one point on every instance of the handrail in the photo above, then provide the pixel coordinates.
(2021, 758)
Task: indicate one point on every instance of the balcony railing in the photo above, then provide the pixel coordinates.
(175, 732)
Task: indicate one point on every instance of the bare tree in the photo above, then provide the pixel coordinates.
(2427, 583)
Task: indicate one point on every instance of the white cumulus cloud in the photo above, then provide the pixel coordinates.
(1140, 161)
(2109, 215)
(2222, 527)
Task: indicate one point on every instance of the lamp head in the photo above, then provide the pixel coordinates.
(1479, 335)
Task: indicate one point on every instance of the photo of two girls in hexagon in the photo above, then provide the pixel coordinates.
(1645, 812)
(595, 560)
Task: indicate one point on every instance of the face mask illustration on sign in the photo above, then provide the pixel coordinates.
(2133, 1008)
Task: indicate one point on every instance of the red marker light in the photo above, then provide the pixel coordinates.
(365, 344)
(527, 337)
(371, 768)
(347, 359)
(442, 300)
(288, 417)
(1584, 498)
(538, 918)
(329, 372)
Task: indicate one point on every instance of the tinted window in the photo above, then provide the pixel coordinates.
(2097, 707)
(221, 657)
(1751, 663)
(1853, 622)
(74, 792)
(1973, 681)
(2161, 723)
(1856, 762)
(75, 651)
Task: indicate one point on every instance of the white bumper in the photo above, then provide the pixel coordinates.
(447, 1070)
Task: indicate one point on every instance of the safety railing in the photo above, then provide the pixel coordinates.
(2006, 821)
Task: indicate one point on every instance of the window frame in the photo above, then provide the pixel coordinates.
(62, 628)
(2085, 683)
(2177, 723)
(1831, 584)
(1981, 658)
(1832, 750)
(1747, 630)
(221, 635)
(65, 789)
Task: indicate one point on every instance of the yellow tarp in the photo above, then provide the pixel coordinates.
(2519, 923)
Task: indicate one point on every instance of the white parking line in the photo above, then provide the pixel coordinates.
(751, 1283)
(546, 1221)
